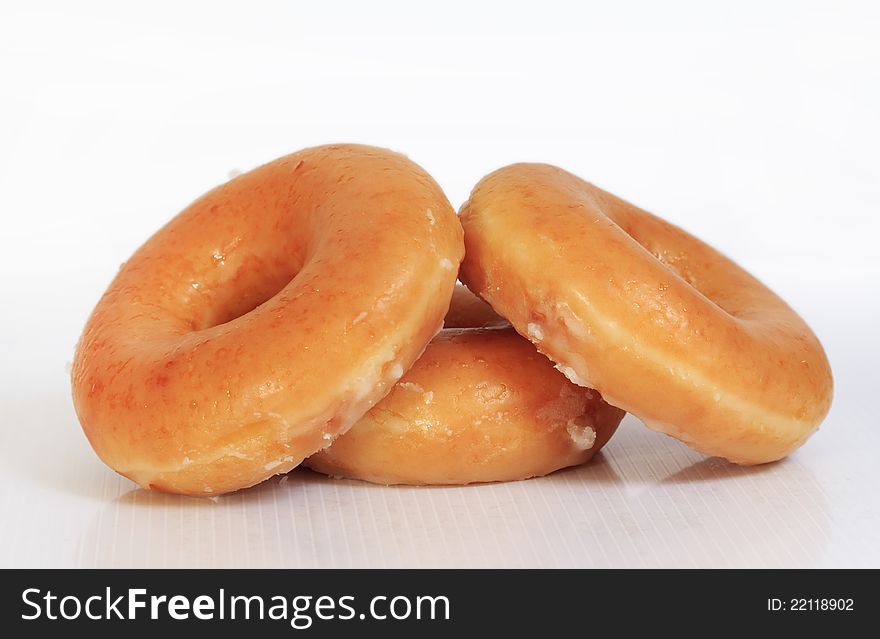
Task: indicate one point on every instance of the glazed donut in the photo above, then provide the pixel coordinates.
(658, 322)
(480, 405)
(266, 318)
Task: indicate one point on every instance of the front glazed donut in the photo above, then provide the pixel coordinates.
(480, 405)
(661, 324)
(266, 318)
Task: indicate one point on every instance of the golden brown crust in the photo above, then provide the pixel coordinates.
(479, 405)
(660, 323)
(259, 323)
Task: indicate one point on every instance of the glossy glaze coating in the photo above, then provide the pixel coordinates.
(661, 324)
(266, 318)
(480, 405)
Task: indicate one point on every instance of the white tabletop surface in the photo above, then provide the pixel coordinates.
(754, 127)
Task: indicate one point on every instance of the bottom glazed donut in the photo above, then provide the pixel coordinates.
(480, 405)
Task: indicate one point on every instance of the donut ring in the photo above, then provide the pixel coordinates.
(480, 405)
(658, 322)
(266, 318)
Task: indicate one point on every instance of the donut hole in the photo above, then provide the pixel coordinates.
(254, 282)
(699, 272)
(709, 273)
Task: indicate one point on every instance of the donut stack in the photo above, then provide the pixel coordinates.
(308, 312)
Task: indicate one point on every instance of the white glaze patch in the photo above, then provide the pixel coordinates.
(430, 215)
(359, 318)
(571, 374)
(582, 435)
(535, 331)
(446, 264)
(395, 372)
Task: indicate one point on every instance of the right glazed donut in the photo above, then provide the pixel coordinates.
(661, 324)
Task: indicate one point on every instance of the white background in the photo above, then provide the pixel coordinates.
(752, 124)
